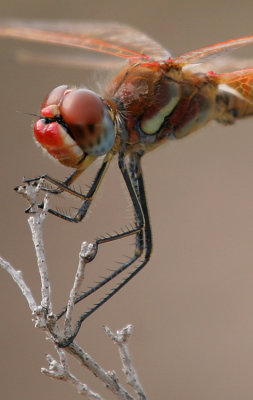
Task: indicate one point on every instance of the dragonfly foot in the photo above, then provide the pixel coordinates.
(35, 180)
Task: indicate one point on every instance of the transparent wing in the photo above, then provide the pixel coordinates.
(110, 38)
(205, 53)
(64, 59)
(220, 64)
(241, 81)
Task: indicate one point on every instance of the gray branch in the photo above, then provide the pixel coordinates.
(44, 317)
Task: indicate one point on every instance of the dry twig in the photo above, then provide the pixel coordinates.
(46, 319)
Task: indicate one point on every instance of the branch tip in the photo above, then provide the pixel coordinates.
(87, 251)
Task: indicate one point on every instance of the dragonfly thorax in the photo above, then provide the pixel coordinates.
(159, 100)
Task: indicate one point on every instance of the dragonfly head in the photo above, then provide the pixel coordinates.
(74, 123)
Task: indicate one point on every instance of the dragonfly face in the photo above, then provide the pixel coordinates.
(73, 124)
(153, 97)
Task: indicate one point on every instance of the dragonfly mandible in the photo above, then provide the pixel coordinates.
(152, 99)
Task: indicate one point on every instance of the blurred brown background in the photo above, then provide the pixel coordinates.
(192, 306)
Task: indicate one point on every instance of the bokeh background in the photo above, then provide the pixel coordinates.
(191, 307)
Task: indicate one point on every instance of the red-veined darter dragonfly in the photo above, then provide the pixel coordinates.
(153, 98)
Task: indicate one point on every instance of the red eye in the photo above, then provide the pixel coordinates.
(55, 96)
(74, 123)
(81, 108)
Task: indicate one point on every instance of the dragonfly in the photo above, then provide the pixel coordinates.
(152, 99)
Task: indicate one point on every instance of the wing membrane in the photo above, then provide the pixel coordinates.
(205, 53)
(82, 61)
(220, 65)
(241, 81)
(110, 38)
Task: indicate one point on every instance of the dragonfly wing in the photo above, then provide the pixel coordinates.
(64, 59)
(220, 64)
(110, 38)
(205, 53)
(241, 81)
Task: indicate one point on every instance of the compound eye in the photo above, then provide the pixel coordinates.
(55, 96)
(88, 121)
(81, 107)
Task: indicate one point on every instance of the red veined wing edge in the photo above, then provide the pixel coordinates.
(103, 37)
(240, 81)
(220, 64)
(205, 53)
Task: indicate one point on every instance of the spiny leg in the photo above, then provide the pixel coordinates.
(132, 185)
(148, 248)
(87, 199)
(63, 187)
(134, 172)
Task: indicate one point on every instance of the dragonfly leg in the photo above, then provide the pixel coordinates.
(61, 185)
(64, 187)
(136, 189)
(137, 231)
(133, 189)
